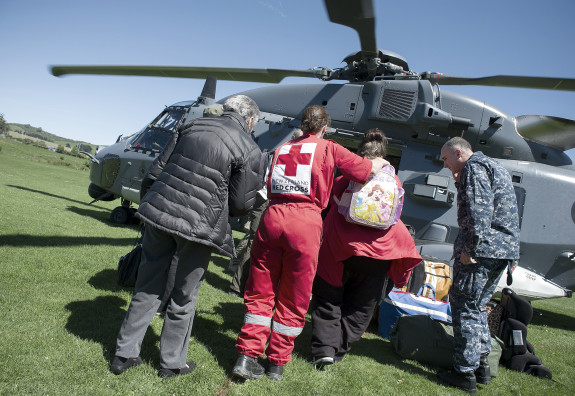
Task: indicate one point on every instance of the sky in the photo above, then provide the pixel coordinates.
(464, 38)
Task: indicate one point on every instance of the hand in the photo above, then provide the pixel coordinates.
(466, 260)
(377, 164)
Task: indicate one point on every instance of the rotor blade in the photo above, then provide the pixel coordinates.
(357, 15)
(555, 132)
(220, 73)
(563, 84)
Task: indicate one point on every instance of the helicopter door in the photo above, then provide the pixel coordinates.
(342, 103)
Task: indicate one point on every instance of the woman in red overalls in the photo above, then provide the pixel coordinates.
(285, 250)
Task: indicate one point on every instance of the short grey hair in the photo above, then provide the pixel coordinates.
(458, 143)
(244, 106)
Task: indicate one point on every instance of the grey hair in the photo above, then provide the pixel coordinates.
(458, 143)
(244, 106)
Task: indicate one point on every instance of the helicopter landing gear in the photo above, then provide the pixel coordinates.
(123, 214)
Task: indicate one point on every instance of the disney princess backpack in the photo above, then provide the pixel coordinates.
(377, 203)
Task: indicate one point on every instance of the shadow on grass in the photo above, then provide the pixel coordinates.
(27, 240)
(213, 335)
(215, 280)
(53, 195)
(108, 280)
(222, 262)
(103, 216)
(99, 321)
(553, 319)
(377, 349)
(382, 352)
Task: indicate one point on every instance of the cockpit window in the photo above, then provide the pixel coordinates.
(169, 119)
(159, 132)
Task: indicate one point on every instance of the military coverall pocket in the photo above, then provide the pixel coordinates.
(465, 281)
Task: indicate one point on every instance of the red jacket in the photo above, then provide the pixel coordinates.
(303, 170)
(344, 239)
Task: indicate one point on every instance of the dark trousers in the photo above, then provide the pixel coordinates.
(158, 250)
(242, 273)
(340, 315)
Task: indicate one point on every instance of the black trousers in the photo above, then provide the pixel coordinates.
(242, 273)
(340, 315)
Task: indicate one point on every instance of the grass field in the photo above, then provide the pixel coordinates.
(61, 310)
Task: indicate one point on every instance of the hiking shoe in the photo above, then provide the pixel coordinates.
(275, 372)
(321, 362)
(248, 368)
(464, 381)
(483, 372)
(121, 364)
(169, 373)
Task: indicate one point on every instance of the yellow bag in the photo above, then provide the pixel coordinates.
(438, 274)
(433, 271)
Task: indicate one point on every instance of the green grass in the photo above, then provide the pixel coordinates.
(61, 309)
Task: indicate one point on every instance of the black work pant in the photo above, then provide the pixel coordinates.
(242, 273)
(340, 315)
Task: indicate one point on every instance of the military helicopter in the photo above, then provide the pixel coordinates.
(417, 116)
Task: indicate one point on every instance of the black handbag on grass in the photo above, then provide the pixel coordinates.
(128, 266)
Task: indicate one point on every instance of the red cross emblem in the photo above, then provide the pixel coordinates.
(292, 159)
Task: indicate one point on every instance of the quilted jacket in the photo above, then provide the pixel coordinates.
(209, 173)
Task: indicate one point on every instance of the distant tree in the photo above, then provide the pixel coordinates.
(60, 149)
(74, 152)
(68, 145)
(3, 124)
(86, 147)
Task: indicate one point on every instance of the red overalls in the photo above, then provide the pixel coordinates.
(285, 250)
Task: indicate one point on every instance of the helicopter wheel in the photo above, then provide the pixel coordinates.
(122, 215)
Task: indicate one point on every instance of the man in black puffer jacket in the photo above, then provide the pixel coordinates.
(211, 172)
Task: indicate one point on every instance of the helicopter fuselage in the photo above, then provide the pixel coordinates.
(417, 118)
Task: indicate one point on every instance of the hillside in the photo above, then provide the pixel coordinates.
(29, 131)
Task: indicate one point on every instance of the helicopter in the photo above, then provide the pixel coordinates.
(376, 89)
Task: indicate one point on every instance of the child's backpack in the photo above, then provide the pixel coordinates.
(377, 203)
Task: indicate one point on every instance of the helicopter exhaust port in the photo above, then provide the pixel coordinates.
(446, 121)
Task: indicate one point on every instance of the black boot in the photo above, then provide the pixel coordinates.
(248, 368)
(483, 372)
(465, 381)
(275, 372)
(169, 373)
(121, 364)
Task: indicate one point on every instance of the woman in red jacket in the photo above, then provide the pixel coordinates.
(285, 250)
(354, 261)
